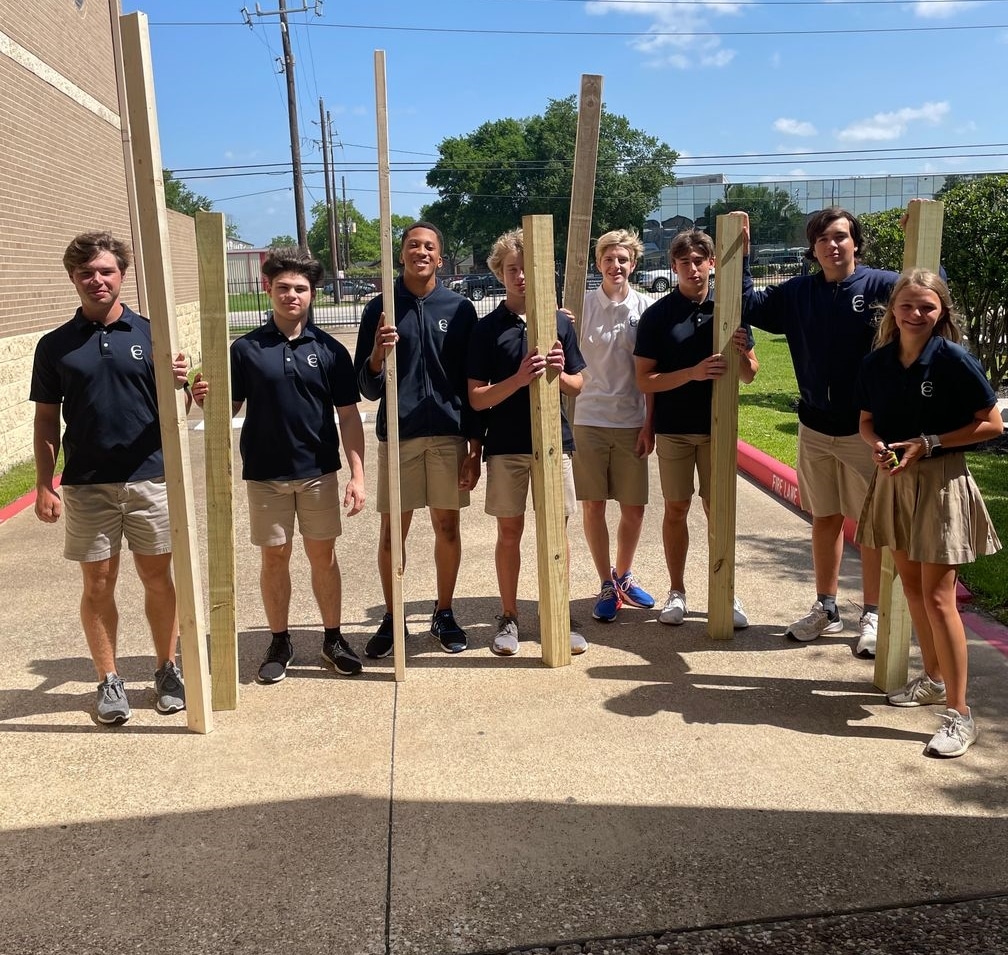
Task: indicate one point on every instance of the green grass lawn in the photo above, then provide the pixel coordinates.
(768, 421)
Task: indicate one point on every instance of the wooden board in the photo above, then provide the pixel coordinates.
(211, 253)
(724, 432)
(153, 220)
(921, 247)
(391, 376)
(547, 446)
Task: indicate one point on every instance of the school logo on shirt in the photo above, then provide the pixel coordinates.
(857, 303)
(927, 388)
(443, 324)
(313, 360)
(137, 352)
(633, 320)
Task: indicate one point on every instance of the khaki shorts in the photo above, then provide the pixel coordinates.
(833, 473)
(606, 466)
(679, 456)
(273, 505)
(428, 474)
(507, 483)
(96, 517)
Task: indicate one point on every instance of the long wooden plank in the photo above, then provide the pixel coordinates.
(391, 377)
(547, 446)
(211, 252)
(171, 399)
(724, 431)
(921, 247)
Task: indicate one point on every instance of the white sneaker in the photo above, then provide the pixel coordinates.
(867, 634)
(920, 691)
(674, 611)
(958, 734)
(814, 624)
(739, 619)
(578, 643)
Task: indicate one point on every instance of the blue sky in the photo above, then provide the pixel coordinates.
(757, 90)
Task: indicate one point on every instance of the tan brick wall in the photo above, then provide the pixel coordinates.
(61, 172)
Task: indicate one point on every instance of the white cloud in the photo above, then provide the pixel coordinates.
(940, 9)
(888, 126)
(794, 127)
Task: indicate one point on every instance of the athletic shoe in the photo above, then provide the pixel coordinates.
(577, 640)
(608, 603)
(169, 688)
(278, 658)
(112, 706)
(674, 611)
(444, 627)
(631, 591)
(958, 734)
(380, 645)
(922, 691)
(814, 624)
(505, 643)
(739, 618)
(867, 634)
(341, 656)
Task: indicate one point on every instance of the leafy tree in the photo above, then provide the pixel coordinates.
(509, 168)
(281, 241)
(363, 235)
(975, 255)
(883, 239)
(774, 217)
(181, 198)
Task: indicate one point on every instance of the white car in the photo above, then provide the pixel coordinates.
(659, 281)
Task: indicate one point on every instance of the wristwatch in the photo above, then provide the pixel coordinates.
(931, 442)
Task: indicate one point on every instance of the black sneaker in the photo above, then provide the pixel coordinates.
(340, 655)
(278, 658)
(444, 627)
(380, 645)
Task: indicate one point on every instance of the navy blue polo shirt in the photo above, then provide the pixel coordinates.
(940, 392)
(678, 333)
(498, 344)
(103, 376)
(290, 389)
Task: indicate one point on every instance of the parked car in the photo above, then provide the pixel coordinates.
(658, 280)
(481, 285)
(786, 261)
(353, 288)
(454, 282)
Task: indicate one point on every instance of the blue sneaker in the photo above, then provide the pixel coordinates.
(631, 592)
(609, 601)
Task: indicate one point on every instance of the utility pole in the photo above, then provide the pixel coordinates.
(295, 138)
(330, 211)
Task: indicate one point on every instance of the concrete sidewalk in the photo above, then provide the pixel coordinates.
(662, 781)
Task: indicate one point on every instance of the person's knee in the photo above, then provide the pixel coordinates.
(509, 533)
(276, 558)
(676, 512)
(446, 526)
(593, 510)
(99, 582)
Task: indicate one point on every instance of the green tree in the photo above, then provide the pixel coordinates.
(774, 217)
(181, 198)
(508, 168)
(281, 241)
(363, 235)
(883, 239)
(975, 255)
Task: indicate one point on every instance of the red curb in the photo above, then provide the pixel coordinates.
(27, 500)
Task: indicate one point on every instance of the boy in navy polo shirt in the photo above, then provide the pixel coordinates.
(290, 375)
(500, 370)
(676, 363)
(98, 369)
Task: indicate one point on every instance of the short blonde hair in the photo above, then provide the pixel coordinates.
(947, 325)
(628, 238)
(513, 241)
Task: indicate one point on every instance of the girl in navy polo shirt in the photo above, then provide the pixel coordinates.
(925, 400)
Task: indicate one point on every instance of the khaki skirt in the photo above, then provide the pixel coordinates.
(933, 511)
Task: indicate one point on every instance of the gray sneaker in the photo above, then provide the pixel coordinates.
(578, 643)
(922, 691)
(112, 706)
(505, 643)
(815, 623)
(958, 734)
(169, 688)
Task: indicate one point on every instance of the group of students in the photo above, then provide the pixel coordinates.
(883, 445)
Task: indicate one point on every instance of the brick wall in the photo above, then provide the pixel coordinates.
(62, 172)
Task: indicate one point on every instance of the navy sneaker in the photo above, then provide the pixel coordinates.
(608, 603)
(631, 591)
(380, 645)
(444, 627)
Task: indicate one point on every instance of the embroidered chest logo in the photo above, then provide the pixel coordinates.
(443, 324)
(137, 352)
(313, 360)
(927, 388)
(857, 303)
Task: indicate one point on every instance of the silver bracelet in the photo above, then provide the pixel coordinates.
(926, 441)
